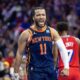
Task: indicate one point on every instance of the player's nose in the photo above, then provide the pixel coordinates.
(41, 16)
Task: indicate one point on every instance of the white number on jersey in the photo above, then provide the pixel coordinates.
(70, 54)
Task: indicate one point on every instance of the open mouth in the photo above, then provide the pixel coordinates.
(41, 21)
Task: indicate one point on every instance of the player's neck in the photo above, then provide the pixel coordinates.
(64, 33)
(40, 29)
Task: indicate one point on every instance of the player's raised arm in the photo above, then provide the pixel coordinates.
(62, 49)
(22, 41)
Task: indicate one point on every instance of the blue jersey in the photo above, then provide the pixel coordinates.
(41, 49)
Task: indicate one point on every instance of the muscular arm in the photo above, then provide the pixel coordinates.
(59, 43)
(55, 54)
(23, 39)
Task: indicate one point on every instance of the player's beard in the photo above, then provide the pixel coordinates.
(40, 26)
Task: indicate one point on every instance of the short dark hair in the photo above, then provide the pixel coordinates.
(62, 26)
(35, 8)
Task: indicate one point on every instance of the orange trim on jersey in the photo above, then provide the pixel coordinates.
(30, 33)
(41, 30)
(51, 30)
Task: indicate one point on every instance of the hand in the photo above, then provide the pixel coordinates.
(65, 72)
(15, 76)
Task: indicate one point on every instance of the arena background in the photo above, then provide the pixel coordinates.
(15, 16)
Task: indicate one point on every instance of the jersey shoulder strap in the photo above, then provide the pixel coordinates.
(50, 32)
(31, 30)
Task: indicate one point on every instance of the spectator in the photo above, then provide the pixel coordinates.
(72, 21)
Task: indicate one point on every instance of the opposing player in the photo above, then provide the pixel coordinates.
(72, 45)
(39, 39)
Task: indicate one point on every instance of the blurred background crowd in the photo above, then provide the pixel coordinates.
(15, 16)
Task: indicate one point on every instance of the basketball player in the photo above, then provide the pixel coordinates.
(72, 45)
(39, 39)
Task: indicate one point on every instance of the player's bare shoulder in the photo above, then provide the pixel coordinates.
(53, 31)
(54, 34)
(24, 36)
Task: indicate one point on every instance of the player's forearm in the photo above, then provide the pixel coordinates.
(17, 62)
(55, 54)
(63, 53)
(55, 63)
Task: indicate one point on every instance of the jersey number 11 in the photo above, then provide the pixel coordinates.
(42, 49)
